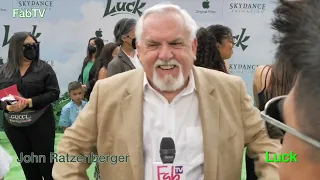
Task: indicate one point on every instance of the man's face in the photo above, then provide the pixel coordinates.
(131, 35)
(166, 51)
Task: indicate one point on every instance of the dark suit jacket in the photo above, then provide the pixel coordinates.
(120, 64)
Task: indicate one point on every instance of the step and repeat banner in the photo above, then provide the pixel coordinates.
(64, 27)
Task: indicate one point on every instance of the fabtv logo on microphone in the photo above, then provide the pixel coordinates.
(169, 172)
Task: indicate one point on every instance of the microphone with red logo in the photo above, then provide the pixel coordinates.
(167, 170)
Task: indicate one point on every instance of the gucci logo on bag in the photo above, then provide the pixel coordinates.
(19, 117)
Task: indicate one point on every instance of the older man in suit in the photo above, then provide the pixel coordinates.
(209, 114)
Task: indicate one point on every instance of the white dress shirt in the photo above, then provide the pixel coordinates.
(135, 60)
(180, 120)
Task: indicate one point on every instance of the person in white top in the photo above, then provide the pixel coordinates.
(127, 58)
(207, 113)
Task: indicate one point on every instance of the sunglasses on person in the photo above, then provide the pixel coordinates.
(31, 46)
(273, 115)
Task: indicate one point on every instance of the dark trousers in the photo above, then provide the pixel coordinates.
(38, 139)
(251, 175)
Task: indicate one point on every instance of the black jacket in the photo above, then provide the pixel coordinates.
(42, 87)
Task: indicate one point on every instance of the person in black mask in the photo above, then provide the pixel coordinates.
(29, 122)
(88, 70)
(127, 59)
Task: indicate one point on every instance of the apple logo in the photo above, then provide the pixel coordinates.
(205, 4)
(98, 33)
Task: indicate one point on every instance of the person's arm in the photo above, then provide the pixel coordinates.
(114, 68)
(257, 84)
(256, 137)
(65, 121)
(52, 90)
(79, 139)
(103, 73)
(80, 78)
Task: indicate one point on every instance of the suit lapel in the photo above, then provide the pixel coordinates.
(132, 130)
(123, 57)
(209, 113)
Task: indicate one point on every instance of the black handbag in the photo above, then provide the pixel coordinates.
(24, 118)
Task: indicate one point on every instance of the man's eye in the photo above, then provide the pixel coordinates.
(152, 45)
(176, 44)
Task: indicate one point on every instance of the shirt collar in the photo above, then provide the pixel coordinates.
(190, 87)
(74, 104)
(134, 56)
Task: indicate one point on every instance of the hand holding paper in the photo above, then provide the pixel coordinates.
(11, 96)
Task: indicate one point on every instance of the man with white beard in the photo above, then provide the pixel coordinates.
(207, 113)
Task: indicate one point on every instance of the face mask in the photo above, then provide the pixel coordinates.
(133, 43)
(92, 49)
(30, 52)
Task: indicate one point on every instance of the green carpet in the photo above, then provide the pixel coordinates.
(16, 172)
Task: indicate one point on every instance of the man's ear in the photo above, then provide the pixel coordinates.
(123, 38)
(195, 47)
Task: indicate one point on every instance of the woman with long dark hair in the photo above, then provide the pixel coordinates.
(208, 55)
(33, 133)
(88, 70)
(223, 34)
(270, 81)
(108, 52)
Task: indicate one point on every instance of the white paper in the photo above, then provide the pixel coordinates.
(8, 98)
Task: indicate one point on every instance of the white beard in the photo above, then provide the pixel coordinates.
(168, 83)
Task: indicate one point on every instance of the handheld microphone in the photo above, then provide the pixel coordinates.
(167, 150)
(167, 170)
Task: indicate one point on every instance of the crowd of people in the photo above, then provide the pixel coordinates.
(164, 76)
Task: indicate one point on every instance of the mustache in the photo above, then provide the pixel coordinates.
(171, 62)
